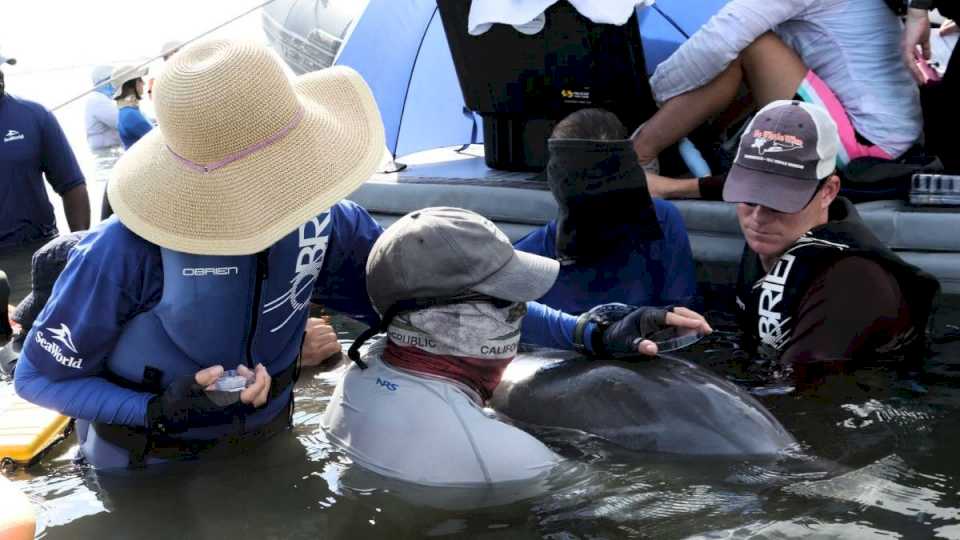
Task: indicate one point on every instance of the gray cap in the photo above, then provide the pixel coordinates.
(444, 252)
(786, 150)
(7, 60)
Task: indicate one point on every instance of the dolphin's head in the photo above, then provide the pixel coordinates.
(655, 405)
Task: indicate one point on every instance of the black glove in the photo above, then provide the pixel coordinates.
(620, 327)
(622, 337)
(185, 404)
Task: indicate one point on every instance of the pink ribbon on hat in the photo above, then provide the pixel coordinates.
(201, 168)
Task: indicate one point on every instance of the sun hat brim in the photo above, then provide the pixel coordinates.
(249, 204)
(525, 277)
(132, 76)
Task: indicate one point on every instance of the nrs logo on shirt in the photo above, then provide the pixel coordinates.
(389, 385)
(64, 336)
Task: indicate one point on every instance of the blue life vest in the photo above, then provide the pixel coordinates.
(225, 310)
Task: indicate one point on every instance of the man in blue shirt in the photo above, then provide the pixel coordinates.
(227, 226)
(32, 146)
(613, 242)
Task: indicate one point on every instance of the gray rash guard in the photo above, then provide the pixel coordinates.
(853, 45)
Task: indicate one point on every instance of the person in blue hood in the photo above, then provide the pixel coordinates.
(100, 112)
(227, 227)
(614, 243)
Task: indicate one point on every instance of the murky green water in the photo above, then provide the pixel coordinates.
(876, 459)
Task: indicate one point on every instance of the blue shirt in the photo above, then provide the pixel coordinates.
(132, 124)
(656, 274)
(113, 275)
(32, 146)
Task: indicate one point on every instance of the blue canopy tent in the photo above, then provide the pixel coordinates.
(401, 49)
(668, 23)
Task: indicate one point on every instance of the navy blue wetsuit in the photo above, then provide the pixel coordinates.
(660, 272)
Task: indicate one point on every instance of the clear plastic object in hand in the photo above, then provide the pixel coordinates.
(674, 338)
(232, 381)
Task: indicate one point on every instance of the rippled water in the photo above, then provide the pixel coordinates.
(875, 462)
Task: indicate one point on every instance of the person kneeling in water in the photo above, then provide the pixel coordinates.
(451, 291)
(614, 243)
(816, 288)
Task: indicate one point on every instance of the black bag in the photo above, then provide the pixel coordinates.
(874, 179)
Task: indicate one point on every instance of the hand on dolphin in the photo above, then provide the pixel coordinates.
(628, 335)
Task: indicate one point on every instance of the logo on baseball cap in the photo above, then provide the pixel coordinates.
(786, 150)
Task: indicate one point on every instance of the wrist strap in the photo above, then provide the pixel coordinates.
(578, 331)
(596, 347)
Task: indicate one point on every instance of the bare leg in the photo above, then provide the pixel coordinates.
(771, 69)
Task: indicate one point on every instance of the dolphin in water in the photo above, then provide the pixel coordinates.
(666, 405)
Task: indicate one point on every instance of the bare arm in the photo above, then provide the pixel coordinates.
(714, 46)
(673, 188)
(916, 33)
(76, 205)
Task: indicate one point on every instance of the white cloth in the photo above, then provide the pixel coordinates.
(941, 49)
(519, 13)
(100, 116)
(853, 45)
(427, 430)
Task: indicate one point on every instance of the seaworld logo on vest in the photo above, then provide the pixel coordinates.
(314, 237)
(771, 323)
(64, 336)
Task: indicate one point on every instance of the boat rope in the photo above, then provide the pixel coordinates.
(164, 53)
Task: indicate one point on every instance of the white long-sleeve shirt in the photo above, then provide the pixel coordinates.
(101, 121)
(853, 45)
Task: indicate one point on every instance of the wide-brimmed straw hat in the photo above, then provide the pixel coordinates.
(121, 75)
(243, 155)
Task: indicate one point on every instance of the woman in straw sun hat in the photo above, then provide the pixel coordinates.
(229, 222)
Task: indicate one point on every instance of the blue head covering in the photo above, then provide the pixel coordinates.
(101, 74)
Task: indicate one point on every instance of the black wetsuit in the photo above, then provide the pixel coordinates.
(837, 294)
